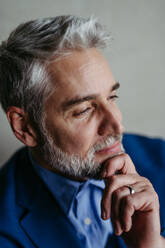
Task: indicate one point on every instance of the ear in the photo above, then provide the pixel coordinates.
(21, 127)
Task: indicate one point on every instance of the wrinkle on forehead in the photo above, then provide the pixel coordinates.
(91, 66)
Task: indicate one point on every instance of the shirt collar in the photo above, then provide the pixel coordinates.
(63, 189)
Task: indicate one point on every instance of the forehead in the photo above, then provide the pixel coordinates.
(81, 72)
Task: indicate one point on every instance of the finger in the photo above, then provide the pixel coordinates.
(120, 164)
(120, 193)
(143, 201)
(112, 184)
(117, 197)
(117, 227)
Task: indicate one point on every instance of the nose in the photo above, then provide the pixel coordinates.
(111, 122)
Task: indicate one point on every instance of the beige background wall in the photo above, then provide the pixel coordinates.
(137, 55)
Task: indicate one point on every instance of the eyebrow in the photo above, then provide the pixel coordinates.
(77, 99)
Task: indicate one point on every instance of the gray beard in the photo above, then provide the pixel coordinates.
(74, 165)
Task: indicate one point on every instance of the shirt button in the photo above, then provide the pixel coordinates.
(87, 221)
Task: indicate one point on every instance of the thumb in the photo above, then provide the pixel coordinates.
(119, 164)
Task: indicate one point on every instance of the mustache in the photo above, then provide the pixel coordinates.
(110, 140)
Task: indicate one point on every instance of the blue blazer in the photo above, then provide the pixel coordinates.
(29, 215)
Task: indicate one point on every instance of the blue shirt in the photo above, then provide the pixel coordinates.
(80, 202)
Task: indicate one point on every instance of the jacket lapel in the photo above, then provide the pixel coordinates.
(47, 227)
(42, 220)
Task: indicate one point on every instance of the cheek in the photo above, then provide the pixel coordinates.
(78, 138)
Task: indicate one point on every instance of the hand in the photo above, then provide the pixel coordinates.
(136, 216)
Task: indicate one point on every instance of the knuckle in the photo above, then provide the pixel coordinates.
(151, 195)
(146, 181)
(156, 198)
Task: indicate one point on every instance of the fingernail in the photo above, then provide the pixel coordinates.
(117, 231)
(103, 215)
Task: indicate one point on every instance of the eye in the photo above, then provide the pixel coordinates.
(85, 111)
(113, 97)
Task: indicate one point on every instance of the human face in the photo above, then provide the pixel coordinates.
(81, 113)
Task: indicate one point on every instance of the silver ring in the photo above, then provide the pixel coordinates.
(132, 191)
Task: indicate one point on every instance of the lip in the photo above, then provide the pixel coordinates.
(115, 148)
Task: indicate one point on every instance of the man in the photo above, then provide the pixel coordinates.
(72, 185)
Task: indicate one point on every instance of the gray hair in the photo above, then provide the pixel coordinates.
(25, 55)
